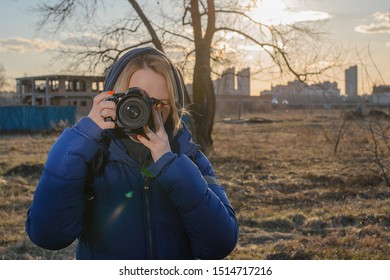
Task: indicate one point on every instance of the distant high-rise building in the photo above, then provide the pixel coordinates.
(231, 83)
(243, 82)
(351, 81)
(228, 81)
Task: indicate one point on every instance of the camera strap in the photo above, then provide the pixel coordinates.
(94, 168)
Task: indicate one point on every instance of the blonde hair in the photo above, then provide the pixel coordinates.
(160, 65)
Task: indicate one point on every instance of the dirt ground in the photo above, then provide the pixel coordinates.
(309, 184)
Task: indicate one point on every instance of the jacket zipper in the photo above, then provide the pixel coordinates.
(148, 217)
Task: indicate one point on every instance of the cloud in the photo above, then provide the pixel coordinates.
(380, 23)
(90, 40)
(65, 41)
(23, 45)
(306, 16)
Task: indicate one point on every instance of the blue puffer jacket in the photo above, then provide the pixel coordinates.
(174, 210)
(175, 214)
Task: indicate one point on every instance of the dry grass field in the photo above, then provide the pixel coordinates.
(294, 197)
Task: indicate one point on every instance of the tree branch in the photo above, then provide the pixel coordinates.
(196, 22)
(210, 29)
(155, 39)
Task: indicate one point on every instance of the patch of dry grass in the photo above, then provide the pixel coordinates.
(294, 198)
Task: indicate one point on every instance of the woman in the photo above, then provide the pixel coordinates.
(154, 197)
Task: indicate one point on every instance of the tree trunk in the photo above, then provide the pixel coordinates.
(203, 90)
(203, 109)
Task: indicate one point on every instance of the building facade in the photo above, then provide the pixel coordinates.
(300, 93)
(231, 83)
(59, 90)
(351, 81)
(381, 95)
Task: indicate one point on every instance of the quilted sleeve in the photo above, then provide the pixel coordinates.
(54, 219)
(204, 208)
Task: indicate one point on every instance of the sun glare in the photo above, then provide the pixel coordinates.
(274, 12)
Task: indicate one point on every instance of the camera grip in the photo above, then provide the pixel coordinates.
(108, 119)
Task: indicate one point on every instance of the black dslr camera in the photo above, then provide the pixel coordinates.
(133, 110)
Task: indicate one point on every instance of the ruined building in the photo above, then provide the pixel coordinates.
(59, 90)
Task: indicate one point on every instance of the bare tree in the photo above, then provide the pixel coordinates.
(196, 32)
(380, 147)
(367, 135)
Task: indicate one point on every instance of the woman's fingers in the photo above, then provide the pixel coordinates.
(103, 112)
(108, 113)
(157, 145)
(157, 118)
(101, 96)
(150, 134)
(144, 141)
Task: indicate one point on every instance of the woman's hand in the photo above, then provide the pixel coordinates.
(102, 109)
(158, 141)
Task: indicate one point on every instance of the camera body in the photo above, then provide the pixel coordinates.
(133, 110)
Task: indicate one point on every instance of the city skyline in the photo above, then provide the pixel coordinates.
(361, 27)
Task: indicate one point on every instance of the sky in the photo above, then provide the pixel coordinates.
(360, 27)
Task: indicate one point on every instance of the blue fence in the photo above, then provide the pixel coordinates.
(32, 118)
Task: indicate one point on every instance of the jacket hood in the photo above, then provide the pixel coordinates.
(117, 68)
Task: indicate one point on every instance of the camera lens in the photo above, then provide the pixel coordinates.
(132, 111)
